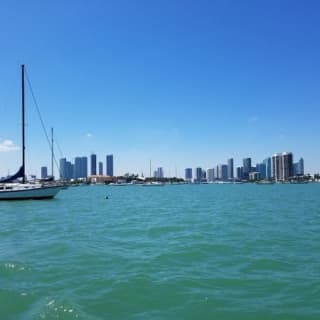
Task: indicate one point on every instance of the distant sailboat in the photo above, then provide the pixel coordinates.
(11, 190)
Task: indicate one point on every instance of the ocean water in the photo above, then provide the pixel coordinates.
(174, 252)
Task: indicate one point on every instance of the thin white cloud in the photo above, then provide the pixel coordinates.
(7, 146)
(89, 135)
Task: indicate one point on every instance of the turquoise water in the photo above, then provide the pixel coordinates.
(173, 252)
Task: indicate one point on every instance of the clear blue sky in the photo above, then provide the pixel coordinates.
(184, 83)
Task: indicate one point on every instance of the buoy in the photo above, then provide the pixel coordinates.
(107, 197)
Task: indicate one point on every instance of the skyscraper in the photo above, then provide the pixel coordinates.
(160, 172)
(239, 173)
(100, 168)
(267, 162)
(223, 172)
(66, 169)
(198, 176)
(80, 167)
(77, 167)
(44, 172)
(230, 169)
(287, 158)
(109, 165)
(210, 174)
(277, 166)
(282, 164)
(84, 167)
(93, 159)
(261, 168)
(188, 174)
(299, 168)
(246, 168)
(63, 168)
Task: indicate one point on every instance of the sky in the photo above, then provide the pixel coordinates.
(180, 83)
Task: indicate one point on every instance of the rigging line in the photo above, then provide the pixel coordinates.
(58, 145)
(40, 116)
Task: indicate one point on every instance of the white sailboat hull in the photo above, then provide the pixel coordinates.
(30, 193)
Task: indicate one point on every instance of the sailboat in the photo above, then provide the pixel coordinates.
(11, 190)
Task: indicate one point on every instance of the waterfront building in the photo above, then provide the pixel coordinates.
(254, 176)
(239, 173)
(100, 168)
(77, 167)
(160, 172)
(277, 166)
(63, 168)
(44, 172)
(261, 168)
(268, 164)
(93, 159)
(84, 167)
(69, 171)
(282, 164)
(222, 172)
(298, 168)
(230, 169)
(204, 175)
(188, 174)
(109, 160)
(246, 168)
(287, 158)
(66, 169)
(210, 175)
(217, 172)
(198, 176)
(77, 170)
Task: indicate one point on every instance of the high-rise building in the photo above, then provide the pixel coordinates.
(301, 167)
(69, 171)
(110, 165)
(246, 168)
(84, 167)
(267, 162)
(210, 175)
(160, 172)
(230, 169)
(239, 173)
(282, 164)
(80, 167)
(222, 172)
(298, 168)
(100, 168)
(63, 168)
(198, 176)
(66, 169)
(277, 166)
(287, 158)
(44, 172)
(204, 174)
(93, 159)
(188, 174)
(261, 168)
(77, 167)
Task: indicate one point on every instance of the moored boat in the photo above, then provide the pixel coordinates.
(10, 189)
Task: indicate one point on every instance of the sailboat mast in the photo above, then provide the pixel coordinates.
(52, 152)
(150, 168)
(23, 124)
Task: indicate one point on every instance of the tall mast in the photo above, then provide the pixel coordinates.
(52, 152)
(150, 167)
(23, 124)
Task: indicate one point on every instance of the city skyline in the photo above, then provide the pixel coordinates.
(279, 166)
(181, 83)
